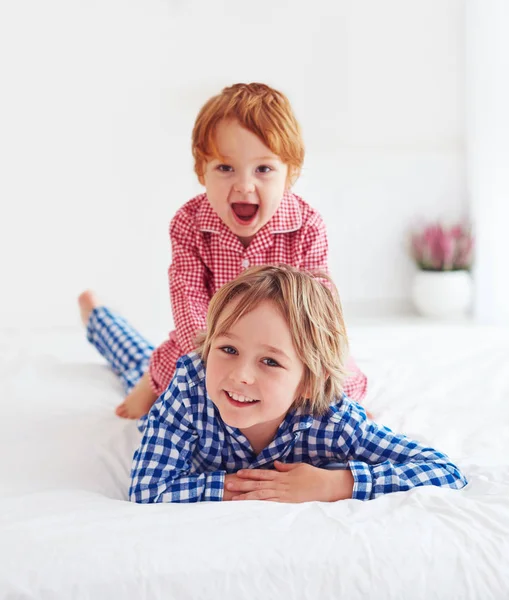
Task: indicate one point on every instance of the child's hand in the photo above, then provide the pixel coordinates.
(231, 478)
(297, 482)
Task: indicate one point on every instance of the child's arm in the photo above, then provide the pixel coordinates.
(190, 295)
(382, 462)
(370, 461)
(161, 470)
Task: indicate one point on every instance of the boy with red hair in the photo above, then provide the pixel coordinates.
(248, 152)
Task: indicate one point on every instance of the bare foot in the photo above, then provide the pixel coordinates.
(370, 415)
(139, 401)
(87, 301)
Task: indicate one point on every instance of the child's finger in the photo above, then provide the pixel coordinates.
(248, 485)
(257, 474)
(284, 467)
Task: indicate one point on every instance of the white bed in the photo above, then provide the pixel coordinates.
(67, 531)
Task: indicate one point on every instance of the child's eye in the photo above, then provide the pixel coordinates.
(264, 169)
(224, 168)
(228, 349)
(270, 362)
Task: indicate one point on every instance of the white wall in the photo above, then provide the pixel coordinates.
(97, 104)
(487, 62)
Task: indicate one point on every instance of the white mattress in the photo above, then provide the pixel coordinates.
(67, 531)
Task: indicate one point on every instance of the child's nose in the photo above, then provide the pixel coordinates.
(243, 374)
(244, 185)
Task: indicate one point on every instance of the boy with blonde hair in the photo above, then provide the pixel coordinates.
(248, 152)
(258, 412)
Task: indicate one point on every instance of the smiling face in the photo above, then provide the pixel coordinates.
(246, 185)
(253, 373)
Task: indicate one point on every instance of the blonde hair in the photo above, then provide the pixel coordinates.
(314, 316)
(258, 108)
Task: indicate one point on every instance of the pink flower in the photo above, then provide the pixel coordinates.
(437, 248)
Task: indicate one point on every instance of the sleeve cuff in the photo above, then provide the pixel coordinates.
(152, 372)
(214, 486)
(363, 481)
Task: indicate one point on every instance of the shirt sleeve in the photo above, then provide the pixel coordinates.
(162, 465)
(315, 246)
(162, 364)
(190, 297)
(188, 277)
(383, 462)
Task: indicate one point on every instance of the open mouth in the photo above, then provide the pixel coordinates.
(245, 212)
(239, 399)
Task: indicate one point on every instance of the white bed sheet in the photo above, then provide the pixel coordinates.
(67, 531)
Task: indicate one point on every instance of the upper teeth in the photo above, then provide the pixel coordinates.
(240, 397)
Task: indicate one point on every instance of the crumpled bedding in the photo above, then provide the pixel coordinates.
(67, 530)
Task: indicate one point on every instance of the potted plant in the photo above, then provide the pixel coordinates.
(442, 286)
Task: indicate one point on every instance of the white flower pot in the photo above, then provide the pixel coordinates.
(442, 294)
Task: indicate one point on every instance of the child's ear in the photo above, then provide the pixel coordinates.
(291, 178)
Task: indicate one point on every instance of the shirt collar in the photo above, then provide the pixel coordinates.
(286, 219)
(294, 421)
(207, 219)
(288, 216)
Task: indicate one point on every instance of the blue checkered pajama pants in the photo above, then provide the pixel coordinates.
(127, 352)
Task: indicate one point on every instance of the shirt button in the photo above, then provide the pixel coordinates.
(245, 263)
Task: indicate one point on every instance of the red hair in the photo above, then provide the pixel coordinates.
(258, 108)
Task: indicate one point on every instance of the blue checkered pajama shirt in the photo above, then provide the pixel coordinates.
(187, 449)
